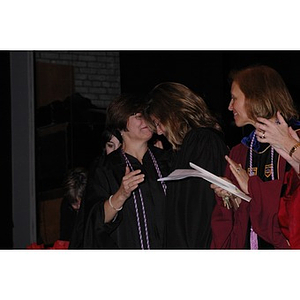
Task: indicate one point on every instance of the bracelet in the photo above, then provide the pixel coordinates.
(294, 148)
(109, 201)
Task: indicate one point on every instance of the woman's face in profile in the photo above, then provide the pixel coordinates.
(112, 145)
(237, 106)
(160, 128)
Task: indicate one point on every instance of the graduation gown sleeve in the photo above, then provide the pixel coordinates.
(100, 186)
(289, 210)
(229, 227)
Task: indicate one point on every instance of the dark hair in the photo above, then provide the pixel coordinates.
(121, 108)
(75, 184)
(179, 109)
(265, 92)
(107, 134)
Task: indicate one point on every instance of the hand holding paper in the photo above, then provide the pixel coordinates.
(202, 173)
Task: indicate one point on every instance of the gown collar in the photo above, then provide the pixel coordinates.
(247, 140)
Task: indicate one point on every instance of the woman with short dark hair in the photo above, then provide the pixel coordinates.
(125, 204)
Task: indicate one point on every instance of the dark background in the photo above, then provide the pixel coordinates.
(5, 160)
(205, 72)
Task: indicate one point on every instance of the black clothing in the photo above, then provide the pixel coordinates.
(68, 217)
(190, 201)
(122, 232)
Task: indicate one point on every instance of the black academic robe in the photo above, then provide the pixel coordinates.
(122, 232)
(190, 201)
(68, 217)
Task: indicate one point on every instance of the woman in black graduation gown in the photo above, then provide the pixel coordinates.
(183, 117)
(125, 204)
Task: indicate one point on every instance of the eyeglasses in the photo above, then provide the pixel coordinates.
(138, 116)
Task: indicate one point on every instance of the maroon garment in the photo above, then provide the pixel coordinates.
(289, 210)
(230, 227)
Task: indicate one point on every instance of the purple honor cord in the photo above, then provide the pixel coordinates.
(142, 200)
(253, 234)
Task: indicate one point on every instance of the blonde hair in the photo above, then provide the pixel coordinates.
(179, 110)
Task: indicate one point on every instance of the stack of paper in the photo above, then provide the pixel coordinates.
(202, 173)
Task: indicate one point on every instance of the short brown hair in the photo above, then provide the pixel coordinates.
(121, 108)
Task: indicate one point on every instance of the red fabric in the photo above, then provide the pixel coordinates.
(289, 210)
(35, 246)
(229, 227)
(59, 244)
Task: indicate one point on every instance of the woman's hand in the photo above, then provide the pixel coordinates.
(130, 182)
(219, 191)
(229, 200)
(239, 173)
(274, 132)
(279, 135)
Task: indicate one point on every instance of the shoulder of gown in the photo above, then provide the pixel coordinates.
(204, 147)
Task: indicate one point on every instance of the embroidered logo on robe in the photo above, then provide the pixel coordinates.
(254, 171)
(268, 170)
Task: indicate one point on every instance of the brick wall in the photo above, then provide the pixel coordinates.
(96, 73)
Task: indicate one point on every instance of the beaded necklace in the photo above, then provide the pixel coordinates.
(253, 234)
(164, 186)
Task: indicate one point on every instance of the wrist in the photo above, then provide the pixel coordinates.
(287, 143)
(112, 206)
(294, 148)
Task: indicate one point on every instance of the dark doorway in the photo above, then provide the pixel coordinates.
(6, 241)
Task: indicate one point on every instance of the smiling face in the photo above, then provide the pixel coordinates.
(237, 106)
(137, 129)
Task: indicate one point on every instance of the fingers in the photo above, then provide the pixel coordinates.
(131, 181)
(262, 122)
(233, 163)
(261, 127)
(293, 133)
(260, 135)
(219, 191)
(280, 118)
(235, 168)
(129, 174)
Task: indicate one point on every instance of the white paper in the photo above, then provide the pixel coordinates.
(208, 176)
